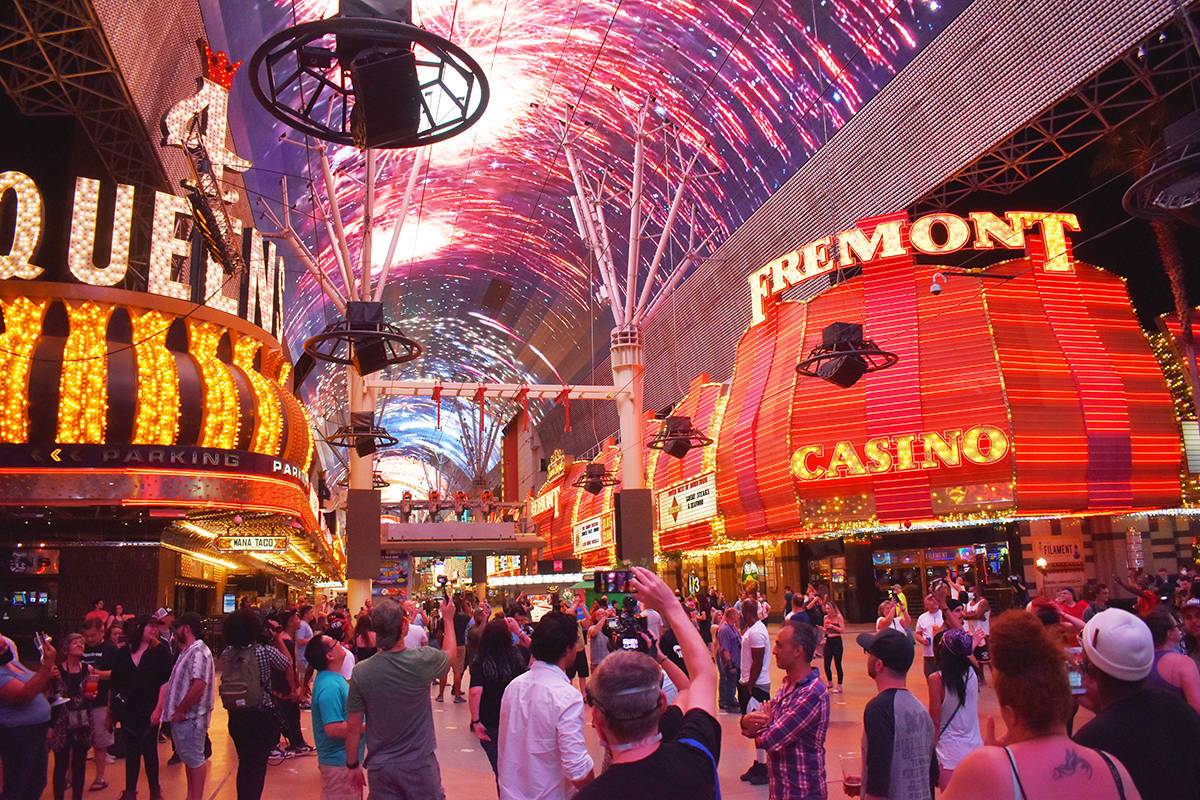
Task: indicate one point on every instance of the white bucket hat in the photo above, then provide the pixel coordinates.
(1119, 644)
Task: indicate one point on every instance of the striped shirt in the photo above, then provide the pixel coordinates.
(196, 662)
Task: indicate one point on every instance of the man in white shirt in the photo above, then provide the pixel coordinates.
(542, 755)
(928, 625)
(754, 683)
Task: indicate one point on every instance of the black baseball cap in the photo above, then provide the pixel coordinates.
(954, 603)
(891, 647)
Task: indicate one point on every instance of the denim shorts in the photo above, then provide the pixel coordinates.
(188, 737)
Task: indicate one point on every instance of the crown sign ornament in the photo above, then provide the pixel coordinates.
(211, 104)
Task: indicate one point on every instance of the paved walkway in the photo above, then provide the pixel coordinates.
(467, 776)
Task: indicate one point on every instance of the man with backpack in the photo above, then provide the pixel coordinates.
(246, 669)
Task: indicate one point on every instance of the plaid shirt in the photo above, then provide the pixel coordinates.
(795, 740)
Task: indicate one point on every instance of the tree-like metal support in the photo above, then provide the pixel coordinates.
(636, 291)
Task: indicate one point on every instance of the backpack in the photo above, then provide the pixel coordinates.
(241, 681)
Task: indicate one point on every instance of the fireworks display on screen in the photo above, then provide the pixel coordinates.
(490, 276)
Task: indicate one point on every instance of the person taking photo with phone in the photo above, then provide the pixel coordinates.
(24, 720)
(673, 748)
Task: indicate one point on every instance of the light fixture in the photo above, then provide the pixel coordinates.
(594, 478)
(844, 356)
(677, 436)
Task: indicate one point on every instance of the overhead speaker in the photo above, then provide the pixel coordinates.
(368, 354)
(387, 98)
(844, 356)
(678, 436)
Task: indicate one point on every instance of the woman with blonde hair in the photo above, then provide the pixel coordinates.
(1036, 758)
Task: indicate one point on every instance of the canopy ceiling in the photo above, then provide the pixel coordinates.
(490, 277)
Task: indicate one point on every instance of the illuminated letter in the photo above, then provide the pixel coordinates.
(164, 245)
(264, 271)
(879, 455)
(854, 247)
(27, 230)
(1054, 237)
(957, 233)
(84, 217)
(800, 466)
(844, 455)
(990, 230)
(904, 453)
(759, 292)
(997, 444)
(215, 279)
(785, 272)
(817, 258)
(945, 449)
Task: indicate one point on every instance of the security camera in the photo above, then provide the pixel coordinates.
(938, 283)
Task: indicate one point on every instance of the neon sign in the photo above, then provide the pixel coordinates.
(932, 234)
(981, 444)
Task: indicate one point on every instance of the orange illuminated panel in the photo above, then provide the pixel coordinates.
(1033, 395)
(701, 404)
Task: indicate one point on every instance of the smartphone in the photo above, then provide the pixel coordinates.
(612, 581)
(442, 581)
(1075, 670)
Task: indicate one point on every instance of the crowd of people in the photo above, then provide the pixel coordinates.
(653, 676)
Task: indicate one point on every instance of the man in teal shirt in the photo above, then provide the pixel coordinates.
(329, 694)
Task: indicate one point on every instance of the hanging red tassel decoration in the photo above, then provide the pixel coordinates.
(564, 397)
(523, 399)
(437, 397)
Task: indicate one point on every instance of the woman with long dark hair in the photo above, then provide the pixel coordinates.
(142, 667)
(954, 703)
(497, 663)
(364, 640)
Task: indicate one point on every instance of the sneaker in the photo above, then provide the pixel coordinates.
(440, 699)
(758, 774)
(458, 698)
(300, 750)
(746, 775)
(278, 754)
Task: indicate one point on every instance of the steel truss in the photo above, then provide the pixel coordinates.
(1142, 78)
(56, 60)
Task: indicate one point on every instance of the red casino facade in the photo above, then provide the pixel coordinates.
(1025, 407)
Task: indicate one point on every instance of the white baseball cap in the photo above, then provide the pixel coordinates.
(1119, 644)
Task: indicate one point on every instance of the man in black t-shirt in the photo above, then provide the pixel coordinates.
(1154, 733)
(673, 752)
(100, 655)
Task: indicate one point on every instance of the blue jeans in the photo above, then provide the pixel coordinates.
(727, 693)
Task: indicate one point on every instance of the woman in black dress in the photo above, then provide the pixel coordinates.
(492, 670)
(142, 667)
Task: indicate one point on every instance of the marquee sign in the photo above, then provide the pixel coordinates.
(686, 503)
(251, 544)
(933, 234)
(589, 533)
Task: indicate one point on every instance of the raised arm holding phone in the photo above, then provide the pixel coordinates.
(673, 748)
